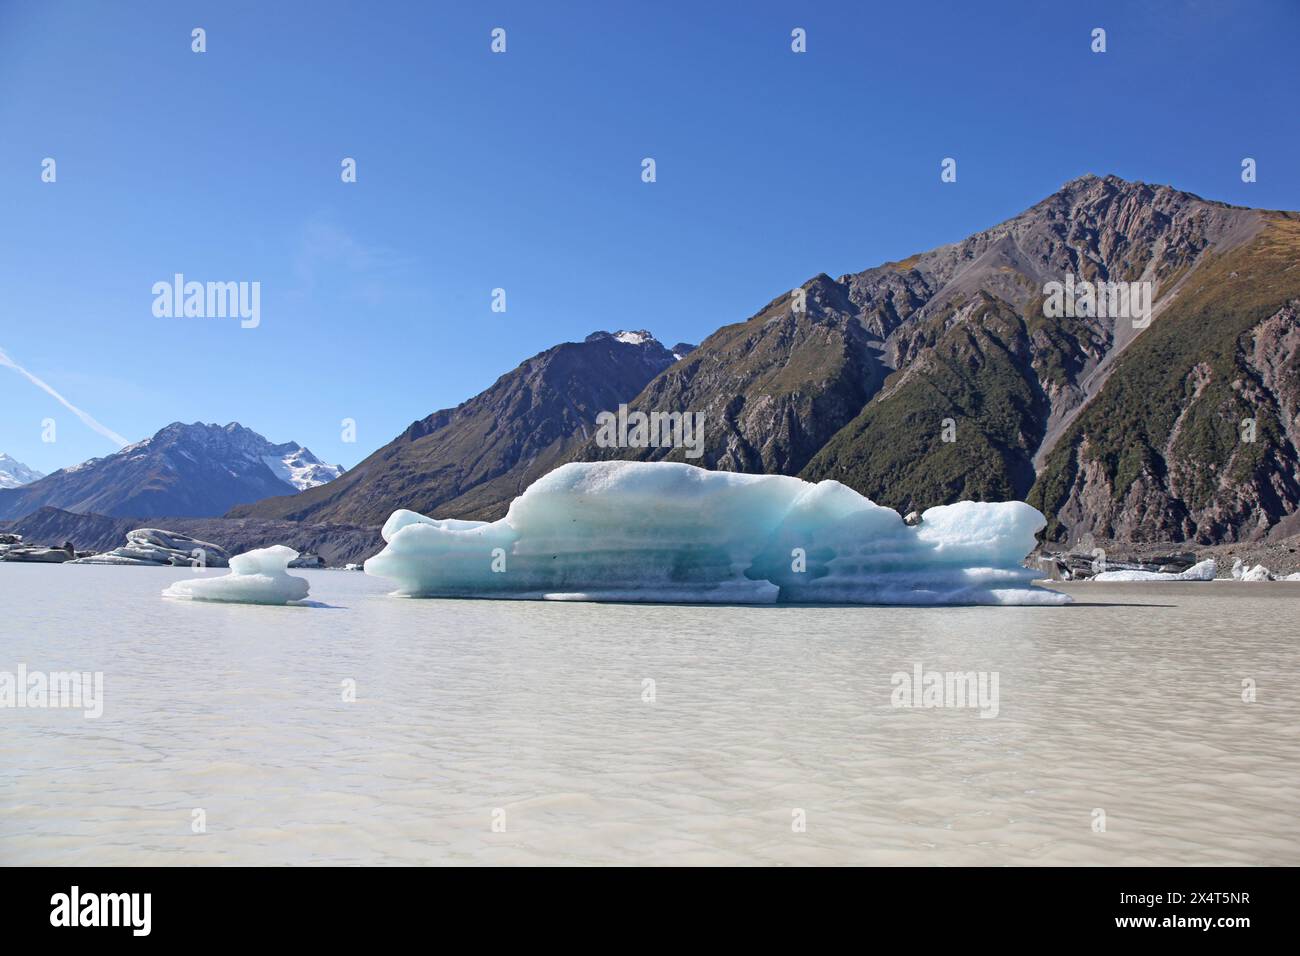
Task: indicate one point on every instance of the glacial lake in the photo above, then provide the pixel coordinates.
(525, 733)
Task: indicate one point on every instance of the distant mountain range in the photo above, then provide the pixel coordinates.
(951, 374)
(943, 376)
(193, 470)
(14, 473)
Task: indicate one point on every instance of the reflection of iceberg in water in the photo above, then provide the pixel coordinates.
(256, 577)
(668, 532)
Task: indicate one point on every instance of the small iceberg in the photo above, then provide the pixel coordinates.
(1243, 572)
(256, 577)
(674, 533)
(1201, 571)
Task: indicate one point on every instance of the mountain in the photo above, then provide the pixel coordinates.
(193, 470)
(14, 473)
(951, 374)
(1194, 433)
(972, 343)
(474, 458)
(773, 390)
(1111, 429)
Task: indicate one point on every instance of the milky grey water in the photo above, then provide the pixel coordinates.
(498, 732)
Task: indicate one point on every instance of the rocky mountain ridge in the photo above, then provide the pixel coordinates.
(475, 458)
(948, 375)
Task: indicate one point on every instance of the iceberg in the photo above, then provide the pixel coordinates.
(256, 577)
(1201, 571)
(1244, 572)
(674, 533)
(154, 547)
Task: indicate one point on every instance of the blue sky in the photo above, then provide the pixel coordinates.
(523, 171)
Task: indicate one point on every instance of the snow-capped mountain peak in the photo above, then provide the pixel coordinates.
(639, 337)
(643, 340)
(300, 468)
(239, 446)
(14, 473)
(184, 470)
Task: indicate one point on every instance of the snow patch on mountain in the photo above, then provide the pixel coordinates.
(634, 338)
(14, 473)
(300, 468)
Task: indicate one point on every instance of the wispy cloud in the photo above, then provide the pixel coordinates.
(86, 418)
(327, 253)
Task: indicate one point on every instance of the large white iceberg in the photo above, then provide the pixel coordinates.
(670, 532)
(256, 577)
(1201, 571)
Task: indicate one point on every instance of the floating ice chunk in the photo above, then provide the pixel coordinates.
(1243, 572)
(1201, 571)
(670, 532)
(256, 577)
(154, 546)
(1206, 570)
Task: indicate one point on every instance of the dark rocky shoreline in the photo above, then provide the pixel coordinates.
(1280, 556)
(337, 545)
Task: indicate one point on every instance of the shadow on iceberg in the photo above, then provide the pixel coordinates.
(663, 532)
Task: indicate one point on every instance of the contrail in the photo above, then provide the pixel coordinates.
(90, 422)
